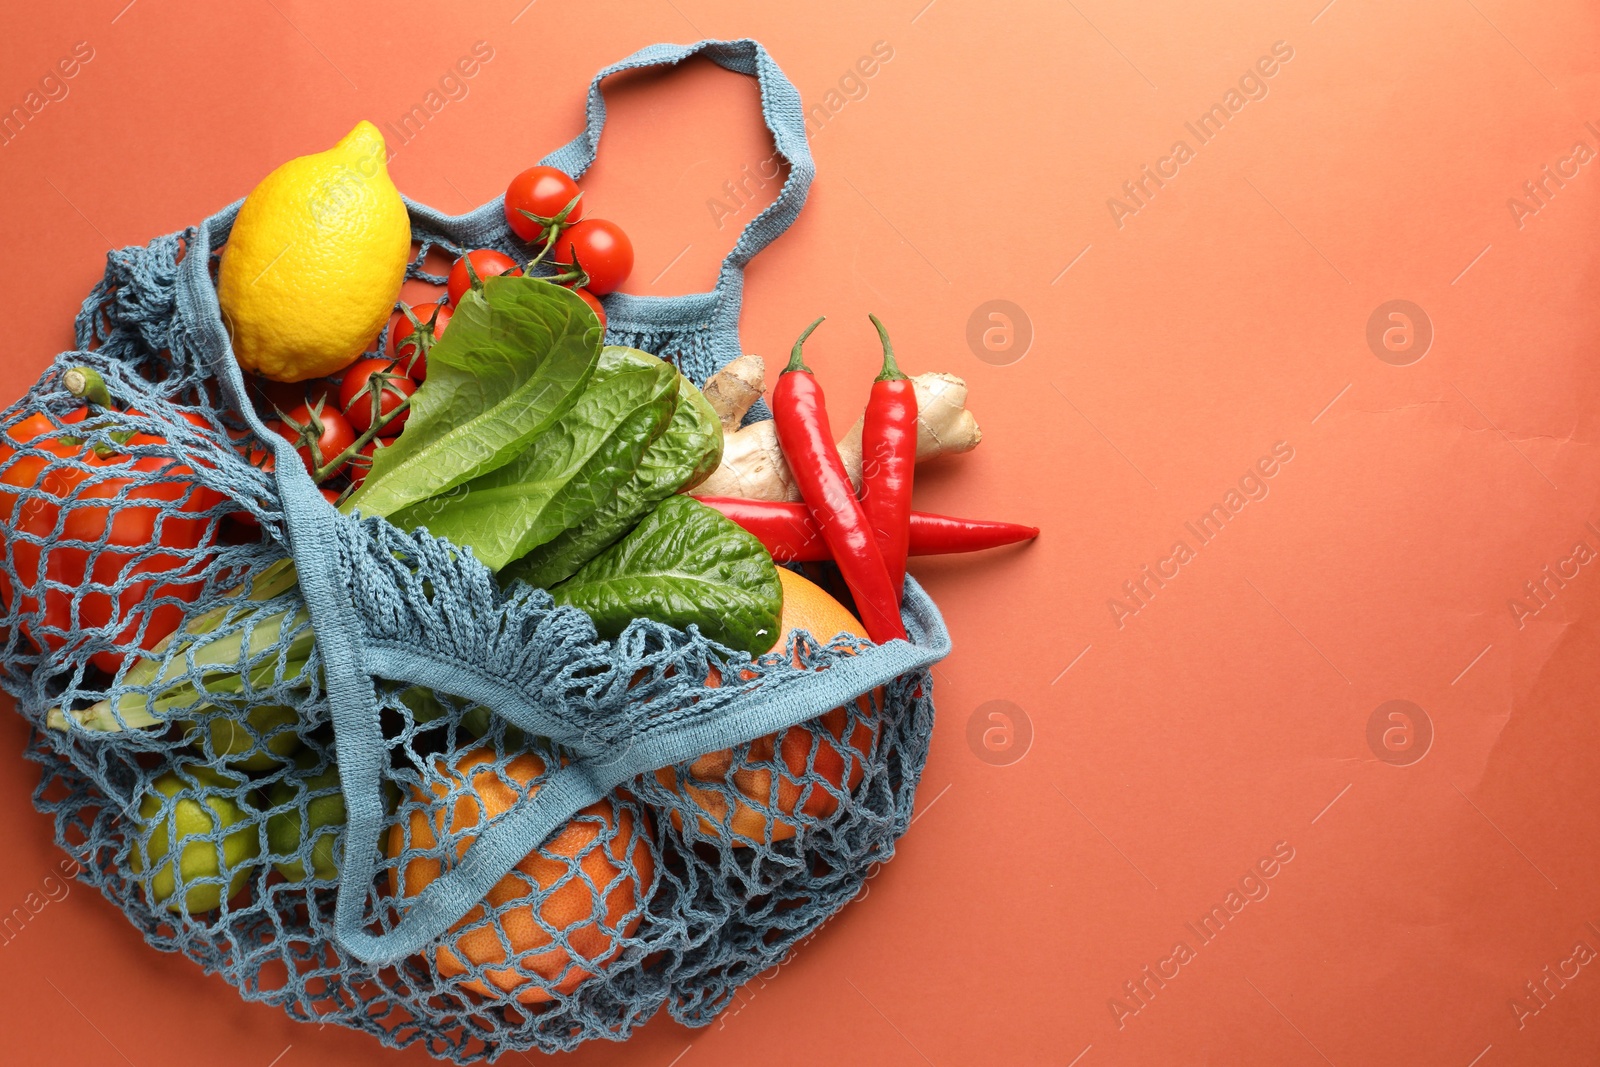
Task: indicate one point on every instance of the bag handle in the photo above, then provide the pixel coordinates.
(780, 109)
(784, 116)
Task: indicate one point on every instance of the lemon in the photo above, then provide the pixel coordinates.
(198, 814)
(313, 267)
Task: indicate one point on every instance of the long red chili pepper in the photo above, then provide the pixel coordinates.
(800, 415)
(788, 532)
(888, 458)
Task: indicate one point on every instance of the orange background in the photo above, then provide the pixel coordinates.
(1228, 314)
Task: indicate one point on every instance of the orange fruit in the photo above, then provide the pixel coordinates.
(593, 920)
(806, 606)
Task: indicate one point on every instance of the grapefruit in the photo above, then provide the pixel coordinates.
(595, 905)
(709, 780)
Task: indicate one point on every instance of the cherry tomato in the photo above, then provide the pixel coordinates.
(543, 192)
(409, 348)
(601, 249)
(336, 433)
(368, 380)
(274, 396)
(486, 263)
(361, 466)
(323, 391)
(594, 302)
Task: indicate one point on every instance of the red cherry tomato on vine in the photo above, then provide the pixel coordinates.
(601, 249)
(590, 299)
(486, 263)
(544, 192)
(361, 466)
(321, 391)
(336, 434)
(369, 378)
(409, 348)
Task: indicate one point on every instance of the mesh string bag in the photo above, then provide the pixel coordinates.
(365, 781)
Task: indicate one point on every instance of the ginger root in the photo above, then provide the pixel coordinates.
(753, 466)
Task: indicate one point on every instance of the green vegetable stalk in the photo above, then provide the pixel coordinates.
(218, 660)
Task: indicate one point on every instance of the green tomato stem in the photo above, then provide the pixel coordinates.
(373, 433)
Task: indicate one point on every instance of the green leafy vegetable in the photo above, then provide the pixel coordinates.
(516, 356)
(568, 471)
(685, 563)
(681, 458)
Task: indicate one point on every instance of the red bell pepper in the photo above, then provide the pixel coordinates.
(107, 543)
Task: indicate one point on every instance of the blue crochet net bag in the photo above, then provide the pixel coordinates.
(410, 801)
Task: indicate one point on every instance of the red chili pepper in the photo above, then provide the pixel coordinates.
(800, 415)
(790, 534)
(97, 519)
(888, 459)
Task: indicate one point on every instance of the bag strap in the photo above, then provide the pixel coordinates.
(784, 116)
(312, 528)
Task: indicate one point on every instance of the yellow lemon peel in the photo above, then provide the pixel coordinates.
(314, 264)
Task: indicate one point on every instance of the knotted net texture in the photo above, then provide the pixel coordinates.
(219, 830)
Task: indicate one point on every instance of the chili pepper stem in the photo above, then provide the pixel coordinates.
(85, 383)
(891, 371)
(797, 360)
